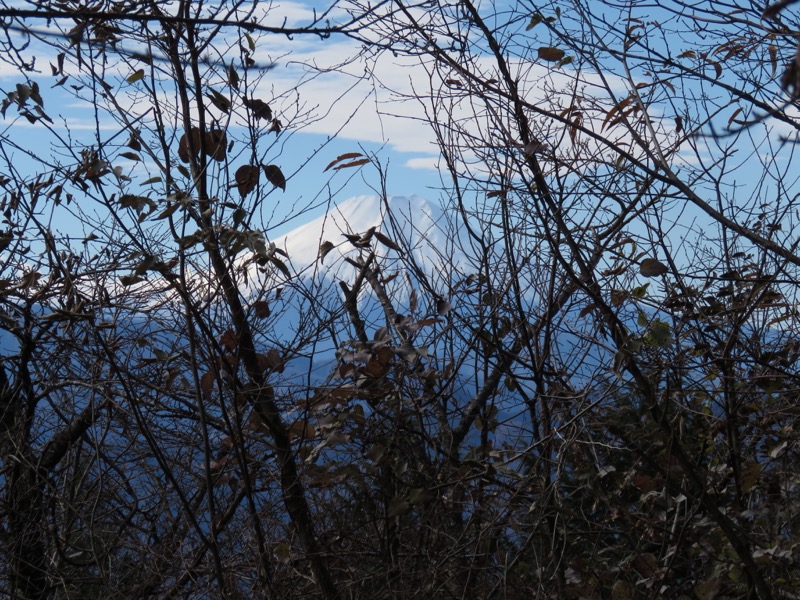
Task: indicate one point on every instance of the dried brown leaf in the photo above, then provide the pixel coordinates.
(275, 176)
(261, 308)
(228, 340)
(215, 144)
(551, 54)
(324, 249)
(259, 108)
(207, 385)
(355, 163)
(341, 157)
(651, 267)
(247, 179)
(185, 148)
(383, 239)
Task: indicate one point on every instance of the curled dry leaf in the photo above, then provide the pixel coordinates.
(125, 280)
(247, 179)
(353, 163)
(220, 101)
(324, 249)
(367, 236)
(620, 108)
(424, 323)
(275, 176)
(133, 141)
(651, 267)
(342, 157)
(386, 241)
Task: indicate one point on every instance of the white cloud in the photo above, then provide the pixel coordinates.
(336, 85)
(289, 14)
(333, 87)
(429, 162)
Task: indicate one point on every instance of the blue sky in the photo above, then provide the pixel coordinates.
(335, 109)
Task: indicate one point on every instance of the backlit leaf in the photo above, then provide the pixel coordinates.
(259, 108)
(189, 145)
(233, 77)
(215, 144)
(137, 75)
(535, 20)
(207, 385)
(219, 100)
(661, 334)
(750, 476)
(275, 176)
(247, 179)
(281, 266)
(261, 308)
(619, 107)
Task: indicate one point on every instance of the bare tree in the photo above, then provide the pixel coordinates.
(587, 390)
(146, 450)
(626, 185)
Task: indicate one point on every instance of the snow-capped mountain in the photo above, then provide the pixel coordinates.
(417, 227)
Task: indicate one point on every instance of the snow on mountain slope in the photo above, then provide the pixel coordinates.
(413, 223)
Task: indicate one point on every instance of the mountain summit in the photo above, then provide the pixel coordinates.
(412, 224)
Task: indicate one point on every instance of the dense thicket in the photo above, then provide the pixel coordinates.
(596, 399)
